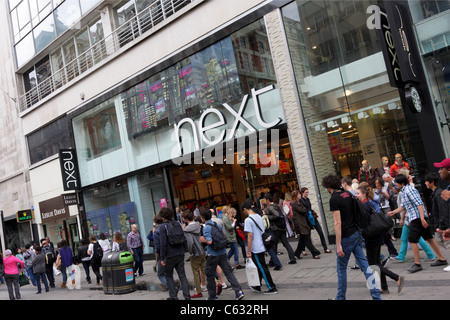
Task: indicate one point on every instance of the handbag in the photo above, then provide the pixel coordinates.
(267, 236)
(58, 262)
(378, 224)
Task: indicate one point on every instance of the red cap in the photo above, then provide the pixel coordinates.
(444, 164)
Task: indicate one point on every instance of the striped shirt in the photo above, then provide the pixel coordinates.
(411, 201)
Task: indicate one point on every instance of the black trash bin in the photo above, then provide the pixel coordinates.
(118, 274)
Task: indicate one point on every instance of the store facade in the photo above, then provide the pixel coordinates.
(300, 88)
(201, 131)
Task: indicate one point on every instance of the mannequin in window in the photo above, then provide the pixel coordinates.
(384, 168)
(367, 174)
(398, 164)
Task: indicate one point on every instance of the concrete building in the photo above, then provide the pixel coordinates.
(114, 109)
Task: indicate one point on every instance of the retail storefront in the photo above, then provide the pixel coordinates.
(202, 130)
(351, 111)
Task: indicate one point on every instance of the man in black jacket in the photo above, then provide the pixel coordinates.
(50, 258)
(274, 213)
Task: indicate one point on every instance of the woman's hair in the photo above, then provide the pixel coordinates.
(294, 194)
(380, 181)
(230, 212)
(102, 236)
(288, 196)
(93, 237)
(366, 189)
(63, 243)
(118, 237)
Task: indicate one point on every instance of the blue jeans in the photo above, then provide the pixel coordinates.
(351, 244)
(404, 245)
(138, 260)
(234, 251)
(31, 275)
(38, 277)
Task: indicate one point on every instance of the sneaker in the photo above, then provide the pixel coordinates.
(204, 288)
(396, 259)
(197, 295)
(272, 291)
(224, 285)
(219, 289)
(355, 267)
(257, 289)
(239, 295)
(447, 268)
(415, 268)
(439, 263)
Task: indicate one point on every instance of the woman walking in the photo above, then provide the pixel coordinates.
(373, 245)
(12, 274)
(302, 228)
(66, 261)
(307, 203)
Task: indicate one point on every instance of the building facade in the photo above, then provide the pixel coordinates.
(119, 108)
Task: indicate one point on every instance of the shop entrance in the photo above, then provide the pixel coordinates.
(215, 185)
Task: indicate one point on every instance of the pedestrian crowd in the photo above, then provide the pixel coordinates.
(205, 236)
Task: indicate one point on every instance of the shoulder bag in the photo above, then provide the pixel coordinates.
(267, 236)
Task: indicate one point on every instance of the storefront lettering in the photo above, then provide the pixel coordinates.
(53, 214)
(69, 169)
(199, 131)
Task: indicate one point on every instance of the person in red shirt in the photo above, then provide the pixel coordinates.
(398, 164)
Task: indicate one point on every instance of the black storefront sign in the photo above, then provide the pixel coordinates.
(24, 216)
(69, 169)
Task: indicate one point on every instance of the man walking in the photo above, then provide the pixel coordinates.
(136, 246)
(278, 224)
(418, 222)
(347, 237)
(172, 245)
(50, 257)
(254, 227)
(216, 255)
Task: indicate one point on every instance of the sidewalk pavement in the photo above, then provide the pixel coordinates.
(309, 279)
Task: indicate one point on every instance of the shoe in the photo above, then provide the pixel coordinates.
(63, 285)
(240, 267)
(239, 295)
(277, 268)
(214, 298)
(396, 259)
(163, 287)
(447, 268)
(257, 289)
(197, 295)
(401, 284)
(224, 285)
(204, 288)
(415, 268)
(292, 262)
(355, 267)
(219, 289)
(439, 263)
(384, 291)
(143, 274)
(272, 291)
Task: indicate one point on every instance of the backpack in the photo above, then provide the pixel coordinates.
(362, 216)
(175, 234)
(49, 257)
(281, 221)
(98, 252)
(267, 236)
(219, 240)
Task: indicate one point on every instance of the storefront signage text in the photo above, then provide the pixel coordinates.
(199, 130)
(69, 169)
(24, 216)
(53, 209)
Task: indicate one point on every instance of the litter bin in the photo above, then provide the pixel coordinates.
(118, 274)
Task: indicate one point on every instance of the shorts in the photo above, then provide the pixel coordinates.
(416, 230)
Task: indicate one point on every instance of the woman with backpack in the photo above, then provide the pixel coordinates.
(96, 253)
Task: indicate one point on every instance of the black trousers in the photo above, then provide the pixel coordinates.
(50, 275)
(263, 271)
(280, 235)
(304, 240)
(373, 258)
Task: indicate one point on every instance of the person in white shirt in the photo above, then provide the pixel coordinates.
(254, 227)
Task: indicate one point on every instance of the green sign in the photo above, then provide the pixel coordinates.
(24, 215)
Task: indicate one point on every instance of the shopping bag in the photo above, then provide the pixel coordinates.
(252, 273)
(23, 280)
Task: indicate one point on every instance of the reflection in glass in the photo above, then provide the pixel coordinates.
(44, 33)
(25, 50)
(66, 15)
(86, 5)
